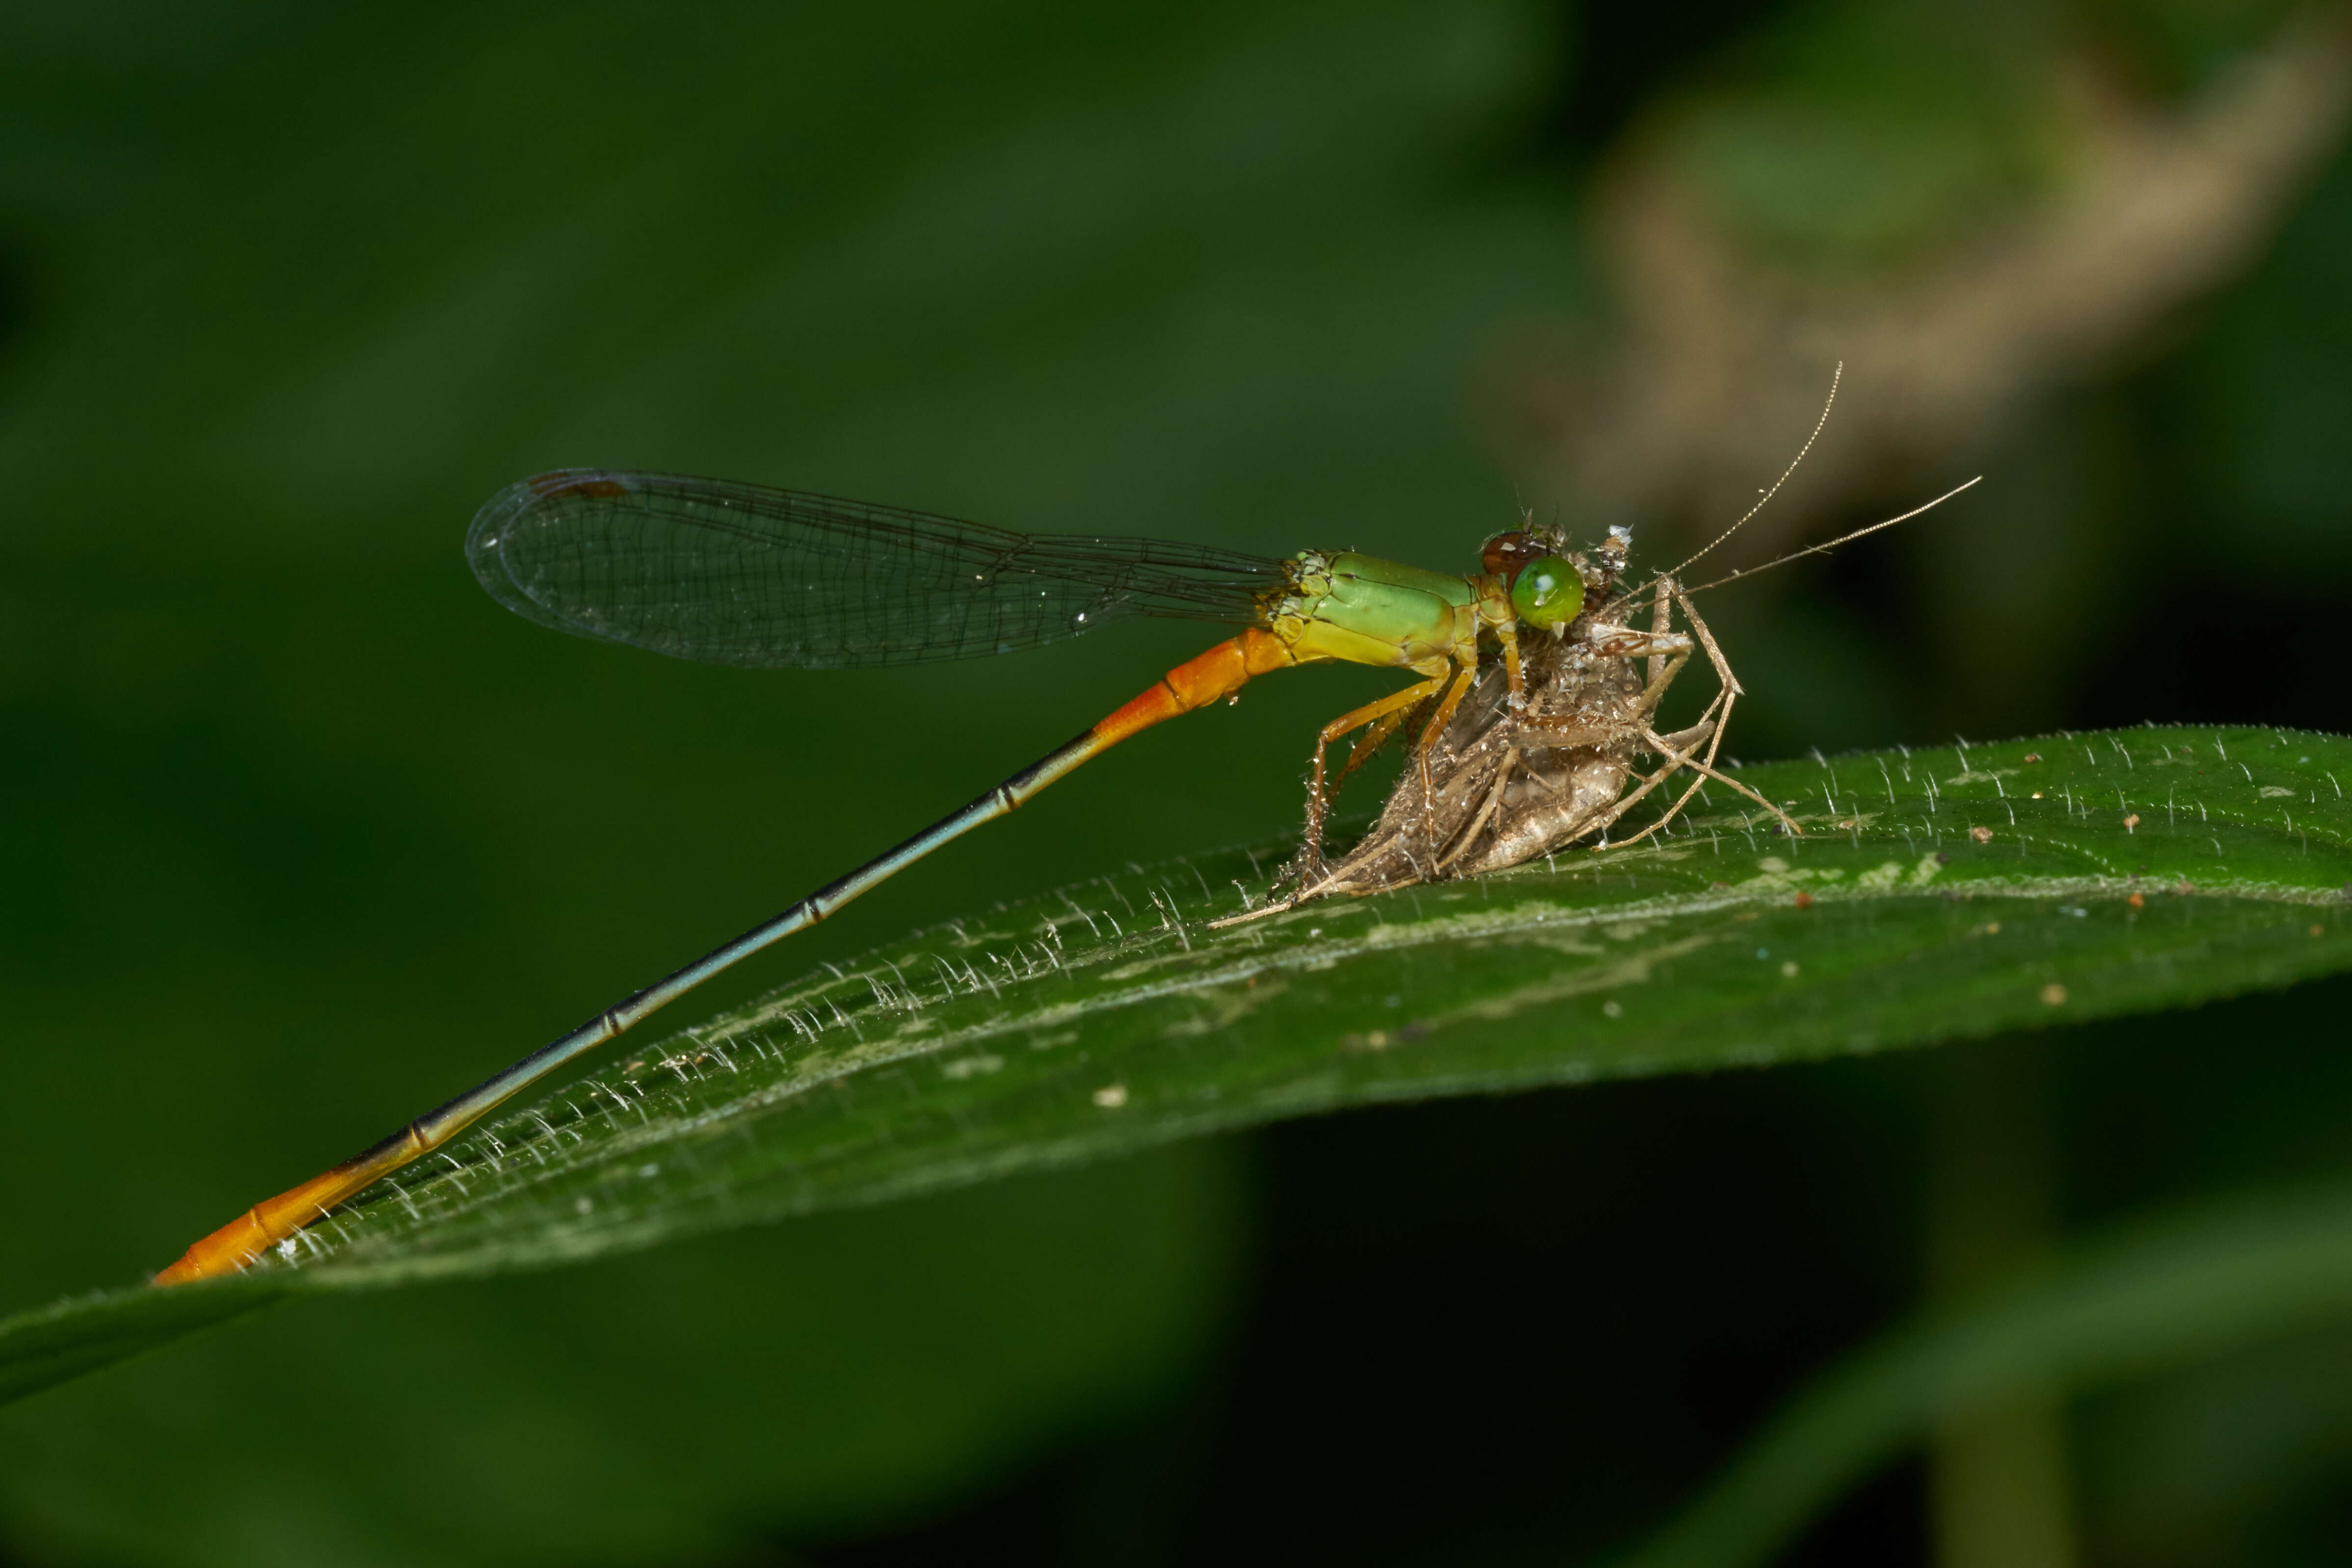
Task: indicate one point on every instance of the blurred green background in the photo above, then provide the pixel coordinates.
(302, 834)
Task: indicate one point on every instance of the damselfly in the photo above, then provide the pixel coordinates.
(737, 575)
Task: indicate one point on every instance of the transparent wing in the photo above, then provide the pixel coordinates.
(729, 573)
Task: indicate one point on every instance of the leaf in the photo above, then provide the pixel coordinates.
(41, 1349)
(2155, 1294)
(1935, 894)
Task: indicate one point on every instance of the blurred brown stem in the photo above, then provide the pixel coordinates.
(1720, 353)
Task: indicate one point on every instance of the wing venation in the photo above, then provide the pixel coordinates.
(740, 574)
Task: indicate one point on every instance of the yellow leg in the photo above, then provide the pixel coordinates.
(1507, 634)
(1318, 804)
(1368, 743)
(1436, 727)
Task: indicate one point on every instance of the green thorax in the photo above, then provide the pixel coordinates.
(1366, 610)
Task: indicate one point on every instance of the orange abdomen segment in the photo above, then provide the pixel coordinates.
(245, 1238)
(1197, 682)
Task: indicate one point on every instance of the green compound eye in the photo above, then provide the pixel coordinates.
(1547, 593)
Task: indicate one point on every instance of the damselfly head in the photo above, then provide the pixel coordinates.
(1546, 589)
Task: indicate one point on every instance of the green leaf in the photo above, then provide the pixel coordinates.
(83, 1334)
(1937, 893)
(2154, 1295)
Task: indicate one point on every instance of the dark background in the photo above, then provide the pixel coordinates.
(298, 832)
